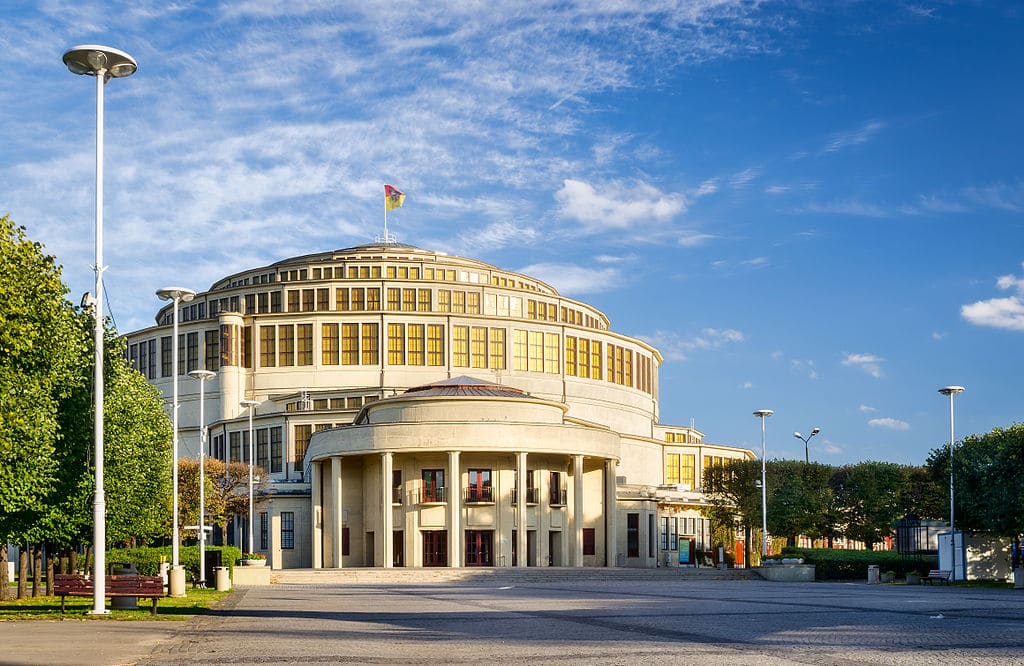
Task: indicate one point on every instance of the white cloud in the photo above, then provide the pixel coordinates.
(677, 348)
(939, 335)
(743, 178)
(855, 137)
(1006, 313)
(889, 423)
(746, 386)
(574, 280)
(869, 363)
(694, 239)
(867, 408)
(616, 205)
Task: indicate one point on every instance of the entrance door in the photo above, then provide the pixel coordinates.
(554, 549)
(370, 559)
(398, 548)
(435, 548)
(531, 548)
(479, 548)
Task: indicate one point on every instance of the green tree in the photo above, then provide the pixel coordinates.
(872, 499)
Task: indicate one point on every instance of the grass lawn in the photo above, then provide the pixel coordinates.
(197, 602)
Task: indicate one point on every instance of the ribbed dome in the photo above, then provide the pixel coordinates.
(466, 386)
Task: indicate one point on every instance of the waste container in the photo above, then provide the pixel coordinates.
(213, 561)
(221, 579)
(1018, 578)
(123, 603)
(872, 574)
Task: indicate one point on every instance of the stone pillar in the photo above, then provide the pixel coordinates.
(521, 554)
(316, 517)
(576, 543)
(611, 517)
(387, 514)
(231, 373)
(454, 497)
(337, 513)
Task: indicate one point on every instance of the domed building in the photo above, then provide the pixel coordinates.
(411, 408)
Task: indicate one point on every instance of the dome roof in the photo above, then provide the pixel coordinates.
(464, 386)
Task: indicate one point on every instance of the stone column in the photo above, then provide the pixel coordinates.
(387, 515)
(231, 373)
(454, 496)
(337, 512)
(576, 544)
(316, 515)
(521, 554)
(611, 517)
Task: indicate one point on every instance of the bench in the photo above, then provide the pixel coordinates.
(76, 585)
(940, 575)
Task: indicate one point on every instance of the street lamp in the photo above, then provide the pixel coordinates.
(251, 406)
(202, 376)
(951, 391)
(177, 295)
(763, 414)
(104, 63)
(807, 455)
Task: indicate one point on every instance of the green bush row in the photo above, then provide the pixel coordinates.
(147, 560)
(832, 564)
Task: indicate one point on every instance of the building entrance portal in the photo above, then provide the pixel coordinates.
(479, 548)
(435, 548)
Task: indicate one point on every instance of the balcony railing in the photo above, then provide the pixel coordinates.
(484, 494)
(397, 496)
(558, 497)
(432, 495)
(531, 495)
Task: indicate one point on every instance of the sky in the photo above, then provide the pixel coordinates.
(814, 208)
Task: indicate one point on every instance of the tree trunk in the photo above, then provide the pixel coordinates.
(37, 569)
(50, 571)
(22, 572)
(72, 561)
(4, 589)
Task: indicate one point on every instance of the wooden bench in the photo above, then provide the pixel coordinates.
(76, 585)
(940, 575)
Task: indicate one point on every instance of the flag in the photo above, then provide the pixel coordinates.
(393, 198)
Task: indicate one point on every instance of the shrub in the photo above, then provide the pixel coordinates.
(833, 564)
(147, 560)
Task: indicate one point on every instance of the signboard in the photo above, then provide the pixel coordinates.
(685, 550)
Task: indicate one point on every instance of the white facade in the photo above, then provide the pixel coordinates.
(514, 386)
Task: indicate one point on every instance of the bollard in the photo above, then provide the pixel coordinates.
(872, 574)
(222, 579)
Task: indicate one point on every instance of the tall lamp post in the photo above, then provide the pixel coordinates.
(763, 414)
(951, 391)
(103, 63)
(202, 376)
(251, 406)
(805, 440)
(176, 586)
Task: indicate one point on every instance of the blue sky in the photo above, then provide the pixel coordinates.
(816, 208)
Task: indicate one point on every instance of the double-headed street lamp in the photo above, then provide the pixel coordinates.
(103, 63)
(763, 414)
(951, 391)
(202, 376)
(805, 440)
(251, 406)
(176, 587)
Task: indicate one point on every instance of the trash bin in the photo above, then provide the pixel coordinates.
(213, 561)
(221, 579)
(872, 574)
(1018, 578)
(123, 603)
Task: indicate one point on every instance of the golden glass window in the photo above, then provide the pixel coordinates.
(408, 300)
(373, 299)
(473, 303)
(497, 348)
(308, 300)
(552, 312)
(375, 272)
(416, 344)
(286, 345)
(358, 294)
(353, 272)
(449, 275)
(671, 468)
(460, 346)
(350, 344)
(341, 299)
(595, 359)
(435, 345)
(293, 300)
(519, 350)
(459, 302)
(414, 273)
(551, 355)
(686, 469)
(536, 351)
(627, 367)
(267, 343)
(392, 272)
(329, 344)
(396, 344)
(531, 309)
(570, 356)
(304, 344)
(323, 299)
(584, 358)
(478, 348)
(371, 344)
(394, 298)
(428, 273)
(302, 435)
(444, 300)
(423, 296)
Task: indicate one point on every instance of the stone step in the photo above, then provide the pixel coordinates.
(494, 575)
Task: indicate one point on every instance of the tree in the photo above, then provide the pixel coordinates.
(226, 490)
(798, 498)
(872, 499)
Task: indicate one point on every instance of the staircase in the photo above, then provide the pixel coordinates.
(503, 575)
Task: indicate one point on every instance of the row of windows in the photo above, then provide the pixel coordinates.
(154, 358)
(682, 437)
(672, 528)
(479, 488)
(679, 467)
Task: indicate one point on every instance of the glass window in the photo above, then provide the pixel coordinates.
(632, 535)
(329, 344)
(304, 344)
(287, 530)
(371, 344)
(193, 352)
(435, 345)
(302, 435)
(497, 349)
(460, 346)
(396, 344)
(350, 344)
(433, 485)
(286, 344)
(212, 348)
(672, 468)
(268, 358)
(276, 450)
(264, 524)
(416, 344)
(478, 348)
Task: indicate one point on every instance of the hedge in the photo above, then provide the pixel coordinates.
(834, 564)
(147, 560)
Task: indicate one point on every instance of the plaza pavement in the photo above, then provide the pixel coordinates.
(663, 621)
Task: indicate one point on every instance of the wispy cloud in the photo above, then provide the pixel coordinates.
(869, 363)
(616, 205)
(675, 347)
(1006, 312)
(867, 408)
(889, 423)
(855, 137)
(571, 280)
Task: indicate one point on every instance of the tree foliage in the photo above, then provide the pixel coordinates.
(226, 490)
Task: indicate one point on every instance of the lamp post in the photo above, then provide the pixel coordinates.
(251, 406)
(177, 295)
(103, 63)
(951, 391)
(805, 440)
(202, 376)
(763, 414)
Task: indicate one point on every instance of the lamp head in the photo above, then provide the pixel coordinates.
(249, 403)
(798, 435)
(763, 413)
(170, 293)
(202, 374)
(951, 390)
(93, 59)
(815, 431)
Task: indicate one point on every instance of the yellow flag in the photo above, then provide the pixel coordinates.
(393, 198)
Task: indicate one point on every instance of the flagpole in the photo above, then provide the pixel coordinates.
(385, 220)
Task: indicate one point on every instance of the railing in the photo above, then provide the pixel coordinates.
(482, 494)
(531, 496)
(558, 497)
(396, 495)
(432, 495)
